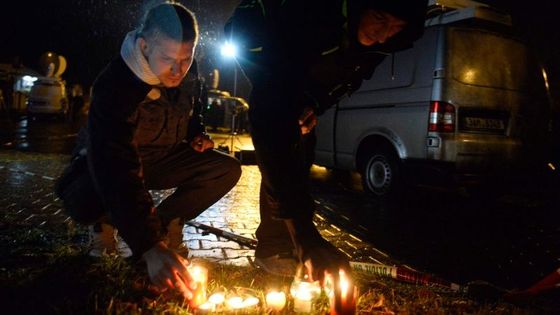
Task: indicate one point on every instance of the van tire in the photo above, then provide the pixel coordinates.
(381, 174)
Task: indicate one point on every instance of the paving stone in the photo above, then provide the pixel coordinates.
(27, 180)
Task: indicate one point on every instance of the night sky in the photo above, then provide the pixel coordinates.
(89, 32)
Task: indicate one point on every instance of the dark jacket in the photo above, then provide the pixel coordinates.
(310, 46)
(125, 129)
(305, 53)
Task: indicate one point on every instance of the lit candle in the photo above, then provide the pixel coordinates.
(250, 301)
(302, 301)
(303, 293)
(235, 302)
(199, 277)
(276, 300)
(206, 308)
(217, 298)
(348, 294)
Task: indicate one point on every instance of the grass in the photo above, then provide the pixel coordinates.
(47, 271)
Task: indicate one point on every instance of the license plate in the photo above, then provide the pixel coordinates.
(484, 123)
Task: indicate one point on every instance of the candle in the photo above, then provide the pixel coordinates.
(276, 300)
(303, 293)
(348, 293)
(199, 276)
(302, 301)
(250, 301)
(206, 308)
(235, 302)
(217, 298)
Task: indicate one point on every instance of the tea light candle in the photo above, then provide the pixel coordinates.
(250, 301)
(302, 301)
(206, 308)
(199, 277)
(217, 298)
(276, 300)
(235, 302)
(303, 293)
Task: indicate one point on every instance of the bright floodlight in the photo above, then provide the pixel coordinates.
(229, 50)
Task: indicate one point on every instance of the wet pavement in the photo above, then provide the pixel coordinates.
(27, 179)
(510, 238)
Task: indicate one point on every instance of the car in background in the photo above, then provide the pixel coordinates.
(468, 101)
(224, 111)
(48, 97)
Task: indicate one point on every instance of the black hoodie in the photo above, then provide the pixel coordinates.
(311, 46)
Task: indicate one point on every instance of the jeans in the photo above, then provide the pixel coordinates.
(284, 158)
(201, 179)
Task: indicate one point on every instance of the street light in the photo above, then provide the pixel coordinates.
(229, 51)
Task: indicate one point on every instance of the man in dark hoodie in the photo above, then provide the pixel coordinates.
(302, 57)
(144, 132)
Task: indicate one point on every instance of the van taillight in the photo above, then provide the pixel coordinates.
(442, 117)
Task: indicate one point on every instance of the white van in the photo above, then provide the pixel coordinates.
(468, 99)
(48, 97)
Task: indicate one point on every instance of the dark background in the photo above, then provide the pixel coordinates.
(89, 33)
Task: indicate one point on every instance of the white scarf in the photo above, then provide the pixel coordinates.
(135, 60)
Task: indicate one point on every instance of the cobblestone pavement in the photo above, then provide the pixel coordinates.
(27, 197)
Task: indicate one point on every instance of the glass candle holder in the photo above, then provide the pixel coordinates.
(199, 277)
(304, 293)
(276, 300)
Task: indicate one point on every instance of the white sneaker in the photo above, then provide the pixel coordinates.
(103, 240)
(175, 238)
(122, 247)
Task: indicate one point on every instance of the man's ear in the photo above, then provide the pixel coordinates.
(143, 45)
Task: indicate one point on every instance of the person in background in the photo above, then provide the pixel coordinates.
(76, 102)
(301, 57)
(144, 132)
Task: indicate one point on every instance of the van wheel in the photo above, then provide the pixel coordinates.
(381, 173)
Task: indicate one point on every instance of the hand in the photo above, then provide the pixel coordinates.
(202, 142)
(167, 270)
(317, 255)
(320, 258)
(307, 120)
(325, 263)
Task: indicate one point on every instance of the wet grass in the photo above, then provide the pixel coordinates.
(47, 271)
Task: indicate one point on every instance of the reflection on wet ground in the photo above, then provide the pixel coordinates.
(510, 237)
(46, 135)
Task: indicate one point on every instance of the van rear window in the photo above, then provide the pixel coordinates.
(489, 59)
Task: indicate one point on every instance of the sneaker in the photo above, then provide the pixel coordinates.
(122, 248)
(283, 264)
(174, 239)
(102, 240)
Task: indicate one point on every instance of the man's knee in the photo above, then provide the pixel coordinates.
(79, 199)
(232, 170)
(81, 208)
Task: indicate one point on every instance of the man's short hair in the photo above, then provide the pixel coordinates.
(172, 20)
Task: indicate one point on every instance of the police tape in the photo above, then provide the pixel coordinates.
(406, 275)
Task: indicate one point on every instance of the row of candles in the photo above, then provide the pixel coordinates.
(303, 293)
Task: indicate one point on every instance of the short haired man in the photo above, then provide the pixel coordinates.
(144, 132)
